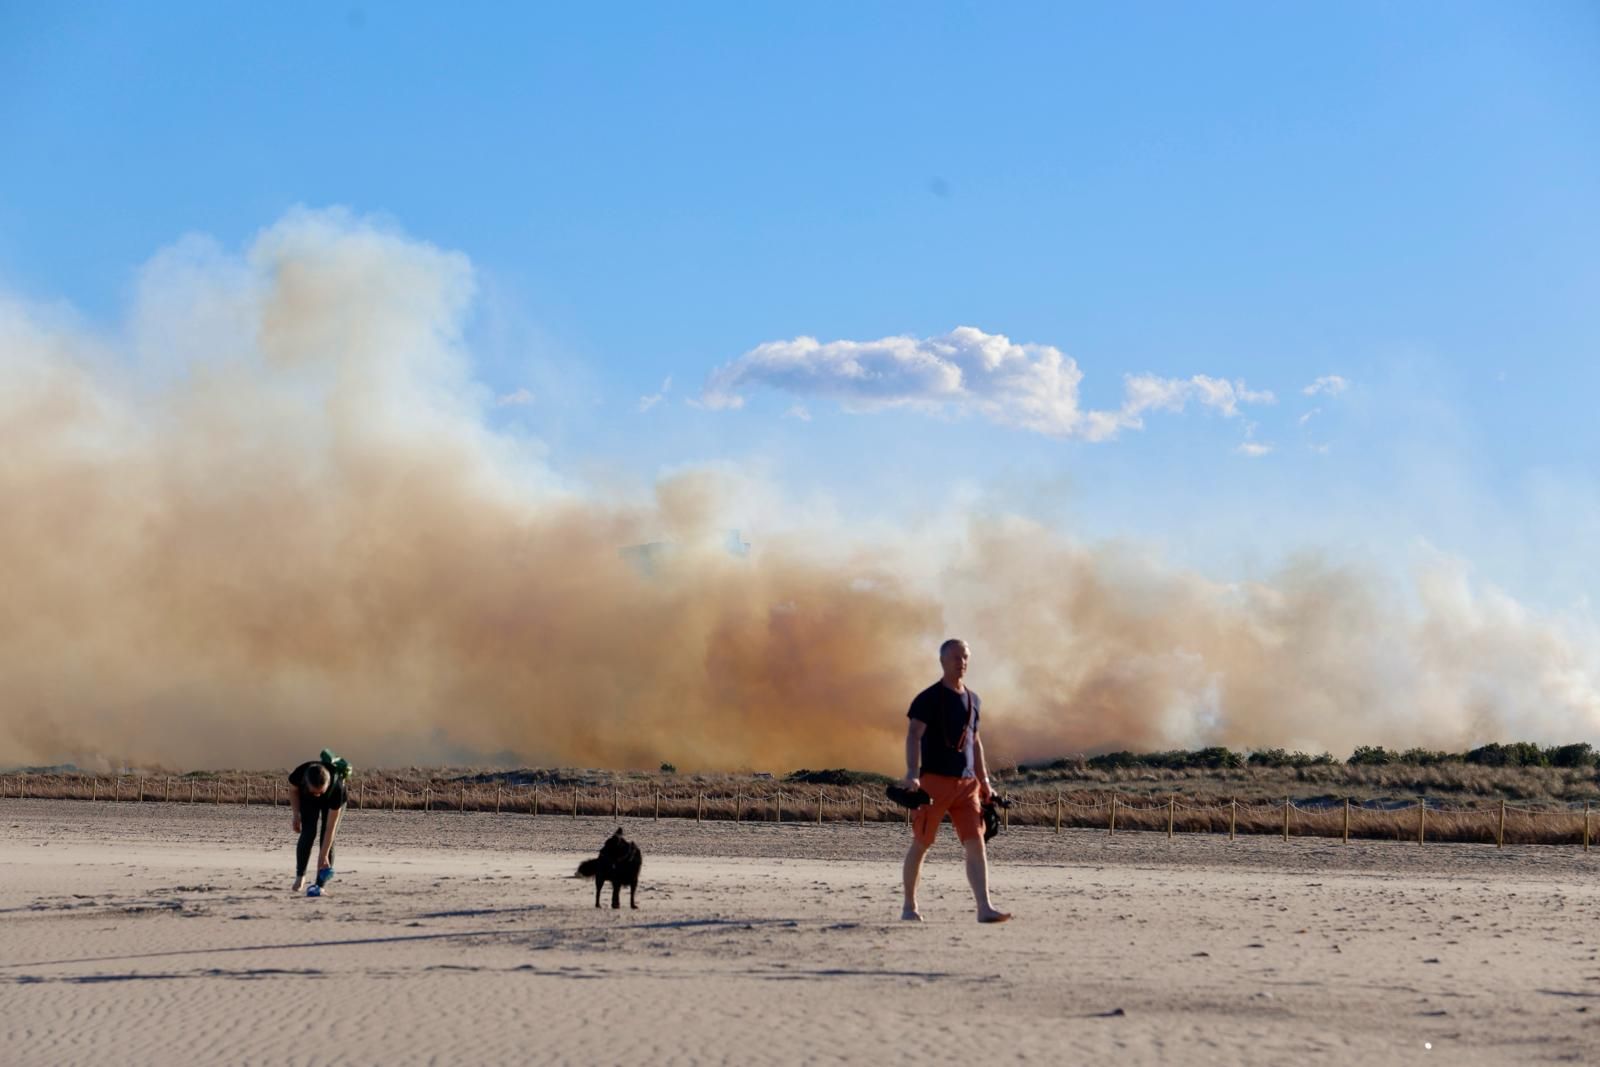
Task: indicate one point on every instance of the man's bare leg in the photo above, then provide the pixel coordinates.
(913, 871)
(978, 878)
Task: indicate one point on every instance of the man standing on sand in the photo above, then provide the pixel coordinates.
(319, 794)
(944, 758)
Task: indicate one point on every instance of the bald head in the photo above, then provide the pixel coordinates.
(953, 655)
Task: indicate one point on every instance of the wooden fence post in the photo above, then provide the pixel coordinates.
(780, 807)
(819, 807)
(1347, 820)
(574, 802)
(427, 797)
(216, 791)
(535, 799)
(1005, 818)
(497, 799)
(1111, 823)
(461, 800)
(246, 792)
(699, 804)
(1058, 811)
(141, 789)
(1422, 818)
(616, 803)
(738, 804)
(1500, 834)
(1286, 818)
(361, 794)
(94, 788)
(168, 797)
(863, 820)
(1172, 810)
(191, 790)
(1586, 826)
(658, 803)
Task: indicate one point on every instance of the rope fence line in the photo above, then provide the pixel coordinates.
(1419, 822)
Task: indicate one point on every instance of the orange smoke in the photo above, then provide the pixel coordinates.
(273, 517)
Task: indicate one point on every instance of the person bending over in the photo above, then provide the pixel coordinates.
(318, 795)
(944, 758)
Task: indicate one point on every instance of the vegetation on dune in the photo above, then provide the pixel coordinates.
(1520, 772)
(1374, 793)
(1517, 754)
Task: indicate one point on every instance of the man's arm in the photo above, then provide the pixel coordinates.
(981, 769)
(327, 844)
(914, 734)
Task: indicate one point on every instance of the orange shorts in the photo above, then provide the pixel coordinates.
(956, 796)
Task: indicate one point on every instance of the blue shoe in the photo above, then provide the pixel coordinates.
(314, 891)
(324, 876)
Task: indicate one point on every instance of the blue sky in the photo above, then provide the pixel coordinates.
(1403, 196)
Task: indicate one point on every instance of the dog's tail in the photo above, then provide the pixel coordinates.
(588, 869)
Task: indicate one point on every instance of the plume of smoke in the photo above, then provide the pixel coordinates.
(1106, 648)
(274, 515)
(292, 527)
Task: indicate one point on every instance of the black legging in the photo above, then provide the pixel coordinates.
(308, 836)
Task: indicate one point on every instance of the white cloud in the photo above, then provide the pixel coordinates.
(798, 411)
(520, 398)
(964, 372)
(1331, 384)
(650, 401)
(1250, 446)
(1145, 392)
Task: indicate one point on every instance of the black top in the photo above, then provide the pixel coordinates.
(952, 718)
(332, 797)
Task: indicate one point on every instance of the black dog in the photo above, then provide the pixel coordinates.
(618, 863)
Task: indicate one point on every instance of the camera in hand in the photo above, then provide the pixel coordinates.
(907, 798)
(991, 815)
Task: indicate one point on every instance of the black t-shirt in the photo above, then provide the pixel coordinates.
(952, 718)
(332, 797)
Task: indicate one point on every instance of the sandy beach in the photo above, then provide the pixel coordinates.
(157, 933)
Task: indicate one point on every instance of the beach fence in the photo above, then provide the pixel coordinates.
(1419, 822)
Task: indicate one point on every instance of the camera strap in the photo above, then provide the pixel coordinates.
(966, 732)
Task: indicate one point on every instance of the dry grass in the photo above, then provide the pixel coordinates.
(1248, 801)
(1462, 783)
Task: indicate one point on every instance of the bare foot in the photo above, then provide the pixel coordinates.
(299, 884)
(910, 915)
(993, 916)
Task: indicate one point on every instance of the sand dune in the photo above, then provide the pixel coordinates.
(146, 934)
